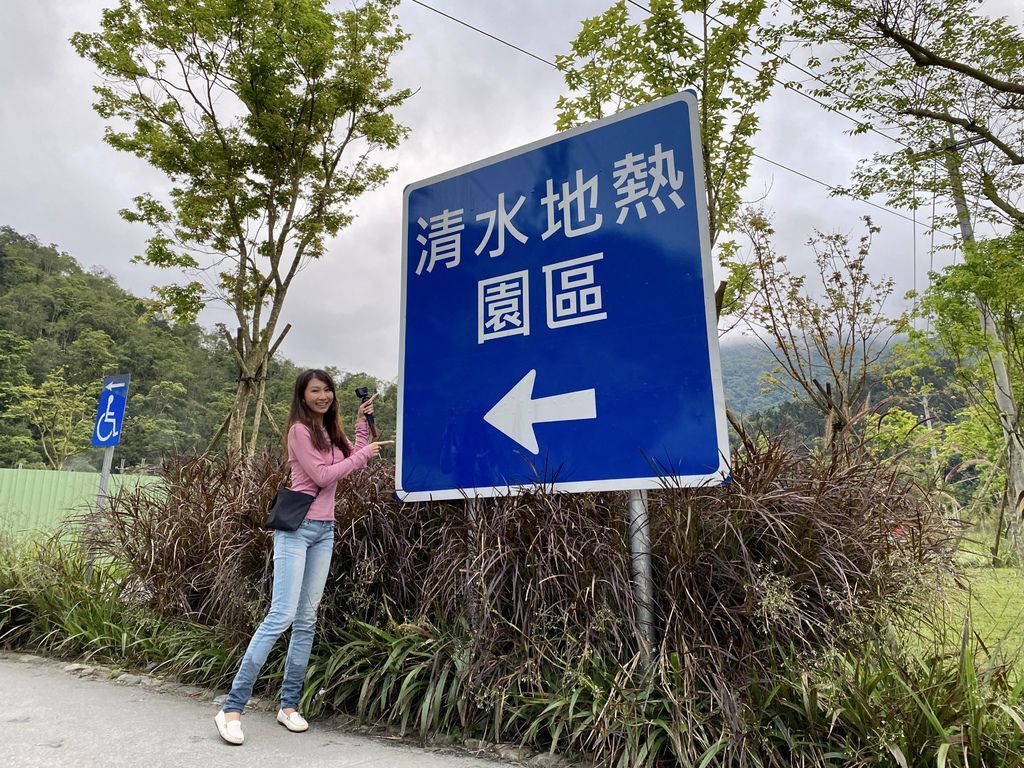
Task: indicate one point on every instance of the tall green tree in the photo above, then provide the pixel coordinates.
(265, 116)
(949, 82)
(724, 50)
(16, 442)
(992, 270)
(927, 71)
(992, 275)
(60, 414)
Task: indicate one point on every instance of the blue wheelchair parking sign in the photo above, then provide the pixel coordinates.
(106, 430)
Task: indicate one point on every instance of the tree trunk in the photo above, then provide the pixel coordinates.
(1016, 486)
(1004, 398)
(237, 420)
(1008, 422)
(252, 378)
(261, 390)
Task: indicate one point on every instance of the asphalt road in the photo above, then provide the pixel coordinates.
(53, 718)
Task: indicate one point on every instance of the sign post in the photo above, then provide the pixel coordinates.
(558, 320)
(106, 433)
(640, 559)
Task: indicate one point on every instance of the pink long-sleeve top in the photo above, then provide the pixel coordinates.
(314, 469)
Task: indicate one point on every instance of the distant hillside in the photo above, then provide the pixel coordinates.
(63, 328)
(743, 363)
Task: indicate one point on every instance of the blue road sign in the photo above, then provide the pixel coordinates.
(558, 321)
(106, 431)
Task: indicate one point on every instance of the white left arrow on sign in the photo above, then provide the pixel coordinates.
(516, 413)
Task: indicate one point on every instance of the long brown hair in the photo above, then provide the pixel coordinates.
(300, 413)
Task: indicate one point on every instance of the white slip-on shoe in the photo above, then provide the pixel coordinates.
(294, 722)
(229, 730)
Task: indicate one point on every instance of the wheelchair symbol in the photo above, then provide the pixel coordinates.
(106, 424)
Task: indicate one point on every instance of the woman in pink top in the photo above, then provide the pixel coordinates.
(320, 455)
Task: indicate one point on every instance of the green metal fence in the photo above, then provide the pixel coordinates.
(37, 500)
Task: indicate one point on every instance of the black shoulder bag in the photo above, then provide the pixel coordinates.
(289, 510)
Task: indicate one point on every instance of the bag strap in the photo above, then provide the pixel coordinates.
(318, 488)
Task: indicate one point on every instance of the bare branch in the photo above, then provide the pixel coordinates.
(925, 57)
(1015, 157)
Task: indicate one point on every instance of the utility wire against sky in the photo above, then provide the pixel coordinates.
(830, 187)
(487, 34)
(787, 85)
(855, 121)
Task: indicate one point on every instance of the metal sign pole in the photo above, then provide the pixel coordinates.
(106, 433)
(472, 580)
(640, 550)
(108, 460)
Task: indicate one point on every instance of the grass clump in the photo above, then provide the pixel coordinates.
(994, 600)
(48, 605)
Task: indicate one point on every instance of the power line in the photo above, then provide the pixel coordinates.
(811, 74)
(487, 34)
(840, 191)
(784, 167)
(786, 60)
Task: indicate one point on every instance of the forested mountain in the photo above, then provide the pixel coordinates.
(744, 362)
(63, 328)
(750, 395)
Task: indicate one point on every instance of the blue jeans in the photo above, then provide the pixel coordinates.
(302, 559)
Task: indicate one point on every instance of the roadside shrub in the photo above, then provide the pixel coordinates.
(792, 559)
(944, 702)
(15, 614)
(514, 618)
(49, 605)
(192, 547)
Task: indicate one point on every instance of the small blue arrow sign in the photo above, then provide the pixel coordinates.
(106, 431)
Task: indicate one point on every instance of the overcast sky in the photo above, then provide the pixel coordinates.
(475, 98)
